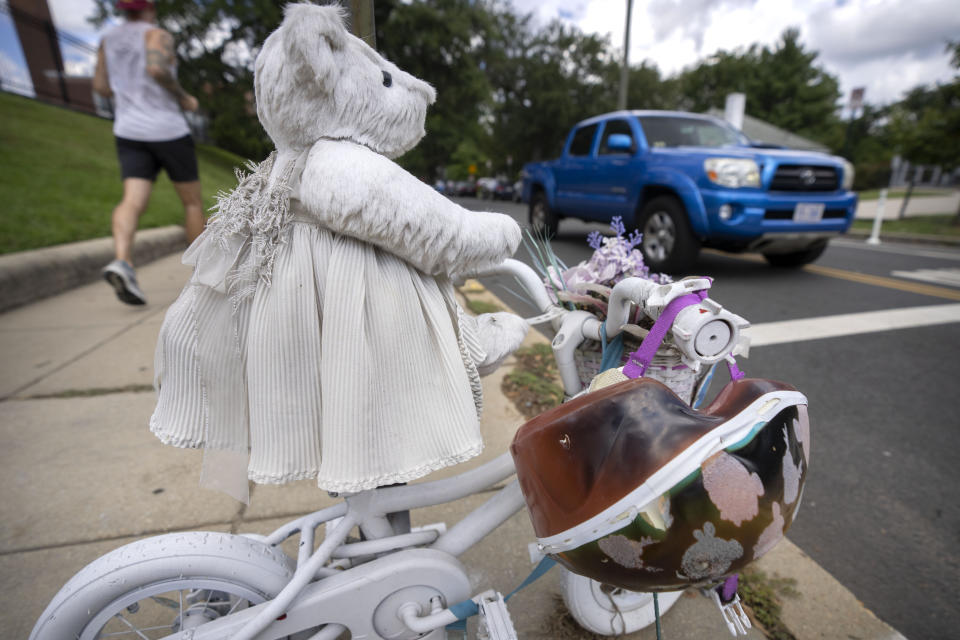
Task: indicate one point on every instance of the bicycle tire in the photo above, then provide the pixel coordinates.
(240, 565)
(610, 612)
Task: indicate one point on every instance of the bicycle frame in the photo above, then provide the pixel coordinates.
(304, 602)
(380, 583)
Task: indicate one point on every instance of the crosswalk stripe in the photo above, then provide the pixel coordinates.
(950, 277)
(847, 324)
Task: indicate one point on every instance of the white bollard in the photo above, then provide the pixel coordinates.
(878, 218)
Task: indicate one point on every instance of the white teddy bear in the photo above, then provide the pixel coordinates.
(319, 335)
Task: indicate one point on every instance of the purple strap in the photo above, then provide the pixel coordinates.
(729, 588)
(735, 373)
(639, 360)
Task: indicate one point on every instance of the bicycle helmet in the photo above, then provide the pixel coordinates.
(630, 486)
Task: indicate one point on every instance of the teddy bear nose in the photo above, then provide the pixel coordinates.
(387, 79)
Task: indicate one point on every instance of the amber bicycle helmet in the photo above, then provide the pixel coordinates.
(632, 487)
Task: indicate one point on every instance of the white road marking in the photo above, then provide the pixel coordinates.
(849, 324)
(901, 249)
(949, 277)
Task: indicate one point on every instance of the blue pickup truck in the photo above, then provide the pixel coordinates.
(687, 180)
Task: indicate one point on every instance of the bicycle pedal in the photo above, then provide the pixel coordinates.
(495, 622)
(733, 614)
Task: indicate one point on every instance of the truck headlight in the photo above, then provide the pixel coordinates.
(732, 172)
(848, 174)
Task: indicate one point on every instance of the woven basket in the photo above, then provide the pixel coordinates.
(665, 367)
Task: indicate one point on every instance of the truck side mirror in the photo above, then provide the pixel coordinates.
(619, 143)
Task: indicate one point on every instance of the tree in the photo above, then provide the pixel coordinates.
(783, 86)
(925, 125)
(545, 81)
(217, 41)
(440, 41)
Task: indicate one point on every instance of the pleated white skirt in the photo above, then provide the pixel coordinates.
(350, 366)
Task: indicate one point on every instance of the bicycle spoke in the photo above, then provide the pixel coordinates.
(124, 633)
(235, 605)
(120, 617)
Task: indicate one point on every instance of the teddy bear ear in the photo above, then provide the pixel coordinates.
(313, 33)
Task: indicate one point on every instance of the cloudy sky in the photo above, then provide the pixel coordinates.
(887, 46)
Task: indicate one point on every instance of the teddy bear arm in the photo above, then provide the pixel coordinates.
(361, 194)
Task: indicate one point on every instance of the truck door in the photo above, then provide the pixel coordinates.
(575, 172)
(615, 172)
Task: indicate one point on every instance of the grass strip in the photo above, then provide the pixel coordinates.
(61, 178)
(534, 384)
(937, 225)
(761, 594)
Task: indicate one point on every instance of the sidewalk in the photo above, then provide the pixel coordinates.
(80, 475)
(918, 206)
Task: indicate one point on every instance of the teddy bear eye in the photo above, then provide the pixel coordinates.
(387, 79)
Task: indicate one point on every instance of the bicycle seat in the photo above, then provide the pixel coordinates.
(630, 486)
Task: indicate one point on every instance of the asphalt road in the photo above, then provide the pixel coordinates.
(879, 508)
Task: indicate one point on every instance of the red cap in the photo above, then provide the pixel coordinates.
(134, 5)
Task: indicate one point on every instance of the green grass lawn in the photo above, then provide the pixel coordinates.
(941, 225)
(60, 177)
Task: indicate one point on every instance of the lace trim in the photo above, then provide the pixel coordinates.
(405, 476)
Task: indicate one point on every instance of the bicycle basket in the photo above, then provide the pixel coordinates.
(631, 487)
(666, 366)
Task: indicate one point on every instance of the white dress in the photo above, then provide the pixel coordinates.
(320, 354)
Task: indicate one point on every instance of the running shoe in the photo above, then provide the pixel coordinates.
(123, 279)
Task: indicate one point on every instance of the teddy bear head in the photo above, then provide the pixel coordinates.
(313, 80)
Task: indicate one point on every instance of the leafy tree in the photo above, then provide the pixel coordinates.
(440, 41)
(925, 125)
(545, 82)
(217, 41)
(783, 86)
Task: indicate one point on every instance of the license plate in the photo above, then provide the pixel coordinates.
(808, 212)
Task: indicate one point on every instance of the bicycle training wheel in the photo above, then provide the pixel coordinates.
(155, 587)
(609, 610)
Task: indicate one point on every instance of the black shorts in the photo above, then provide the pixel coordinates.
(140, 159)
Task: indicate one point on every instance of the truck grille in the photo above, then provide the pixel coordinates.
(787, 214)
(795, 177)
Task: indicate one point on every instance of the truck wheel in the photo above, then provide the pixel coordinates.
(543, 221)
(797, 258)
(668, 242)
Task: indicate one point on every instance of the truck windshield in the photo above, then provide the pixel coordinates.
(688, 132)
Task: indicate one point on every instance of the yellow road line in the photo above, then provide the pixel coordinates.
(881, 281)
(862, 278)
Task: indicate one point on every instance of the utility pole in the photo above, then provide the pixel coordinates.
(625, 69)
(361, 21)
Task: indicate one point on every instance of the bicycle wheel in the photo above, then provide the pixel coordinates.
(158, 586)
(609, 610)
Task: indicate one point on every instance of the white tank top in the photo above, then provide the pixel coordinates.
(143, 110)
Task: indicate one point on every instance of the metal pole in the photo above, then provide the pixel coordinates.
(878, 218)
(362, 22)
(625, 69)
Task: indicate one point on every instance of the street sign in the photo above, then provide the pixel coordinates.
(856, 98)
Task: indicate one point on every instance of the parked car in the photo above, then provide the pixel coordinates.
(486, 187)
(687, 181)
(464, 188)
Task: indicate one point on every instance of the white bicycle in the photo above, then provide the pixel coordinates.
(393, 582)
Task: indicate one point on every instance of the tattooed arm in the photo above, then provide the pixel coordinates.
(101, 79)
(160, 60)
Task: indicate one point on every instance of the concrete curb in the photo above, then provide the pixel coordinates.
(28, 276)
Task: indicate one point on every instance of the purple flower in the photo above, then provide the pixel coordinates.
(595, 240)
(617, 225)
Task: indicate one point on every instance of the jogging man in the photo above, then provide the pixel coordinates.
(136, 65)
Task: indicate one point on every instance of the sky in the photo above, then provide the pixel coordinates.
(886, 46)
